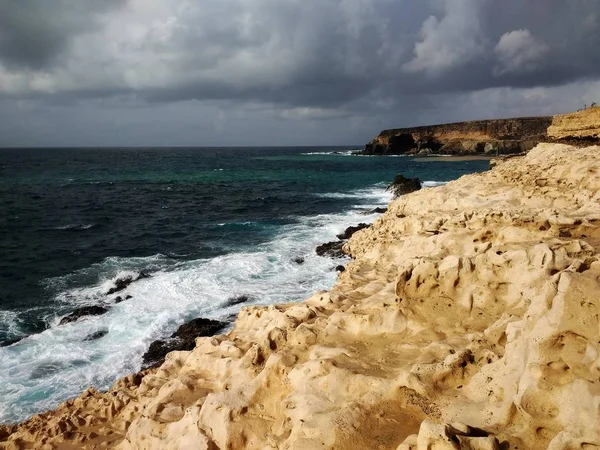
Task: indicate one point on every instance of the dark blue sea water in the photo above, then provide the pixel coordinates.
(206, 223)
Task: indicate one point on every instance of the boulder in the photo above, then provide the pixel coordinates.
(83, 312)
(402, 185)
(237, 300)
(184, 339)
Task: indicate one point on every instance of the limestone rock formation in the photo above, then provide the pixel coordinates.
(469, 318)
(494, 137)
(578, 126)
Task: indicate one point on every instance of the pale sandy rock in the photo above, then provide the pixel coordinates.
(581, 124)
(469, 319)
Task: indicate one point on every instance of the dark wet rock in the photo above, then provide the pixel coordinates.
(402, 185)
(184, 339)
(351, 230)
(96, 335)
(378, 211)
(122, 282)
(83, 312)
(298, 260)
(340, 268)
(237, 300)
(120, 299)
(9, 342)
(331, 249)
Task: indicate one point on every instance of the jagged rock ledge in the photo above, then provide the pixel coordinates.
(468, 318)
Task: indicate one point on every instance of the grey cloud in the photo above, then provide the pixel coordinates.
(34, 32)
(519, 51)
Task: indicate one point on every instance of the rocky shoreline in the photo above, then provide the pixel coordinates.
(468, 318)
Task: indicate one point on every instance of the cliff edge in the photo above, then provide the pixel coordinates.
(493, 137)
(469, 318)
(582, 126)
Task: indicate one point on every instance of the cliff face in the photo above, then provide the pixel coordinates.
(578, 126)
(469, 318)
(501, 136)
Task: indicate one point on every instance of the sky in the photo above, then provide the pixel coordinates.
(284, 72)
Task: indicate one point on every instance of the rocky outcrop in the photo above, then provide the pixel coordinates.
(121, 283)
(469, 318)
(581, 127)
(84, 311)
(335, 249)
(183, 339)
(493, 137)
(402, 185)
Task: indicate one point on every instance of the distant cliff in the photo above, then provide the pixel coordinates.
(499, 136)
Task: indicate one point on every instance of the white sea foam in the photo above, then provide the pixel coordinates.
(336, 152)
(376, 194)
(75, 226)
(9, 323)
(45, 369)
(433, 183)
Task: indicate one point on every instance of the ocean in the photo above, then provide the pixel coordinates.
(207, 224)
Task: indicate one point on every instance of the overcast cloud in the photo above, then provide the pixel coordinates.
(284, 72)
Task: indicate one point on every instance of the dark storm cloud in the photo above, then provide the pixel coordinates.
(300, 59)
(35, 32)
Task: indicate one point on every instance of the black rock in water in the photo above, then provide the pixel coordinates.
(402, 185)
(184, 339)
(331, 249)
(122, 283)
(340, 268)
(351, 230)
(120, 299)
(298, 260)
(96, 335)
(237, 300)
(82, 312)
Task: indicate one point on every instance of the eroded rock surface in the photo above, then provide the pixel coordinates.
(469, 318)
(582, 126)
